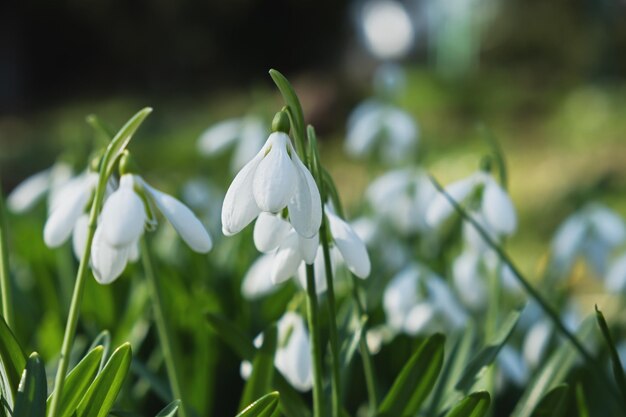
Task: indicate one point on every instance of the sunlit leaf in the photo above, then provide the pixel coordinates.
(554, 403)
(170, 409)
(30, 400)
(12, 363)
(265, 406)
(474, 405)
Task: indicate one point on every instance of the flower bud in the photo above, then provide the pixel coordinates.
(281, 122)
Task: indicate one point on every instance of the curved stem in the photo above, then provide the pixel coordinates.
(316, 352)
(163, 329)
(5, 278)
(368, 367)
(332, 319)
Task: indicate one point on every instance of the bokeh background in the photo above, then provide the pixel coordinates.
(547, 78)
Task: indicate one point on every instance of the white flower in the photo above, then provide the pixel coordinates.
(387, 29)
(593, 232)
(32, 189)
(495, 205)
(293, 354)
(246, 134)
(415, 301)
(68, 207)
(513, 368)
(123, 220)
(274, 179)
(375, 126)
(402, 197)
(287, 253)
(616, 276)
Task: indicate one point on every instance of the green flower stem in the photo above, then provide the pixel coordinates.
(332, 319)
(5, 278)
(368, 367)
(545, 306)
(163, 329)
(316, 352)
(491, 326)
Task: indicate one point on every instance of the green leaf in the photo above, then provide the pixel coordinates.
(170, 409)
(30, 400)
(554, 403)
(416, 379)
(78, 381)
(260, 380)
(12, 363)
(552, 373)
(231, 335)
(294, 108)
(102, 393)
(581, 401)
(479, 364)
(265, 406)
(119, 143)
(474, 405)
(103, 339)
(618, 369)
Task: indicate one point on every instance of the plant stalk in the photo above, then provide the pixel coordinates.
(5, 277)
(163, 330)
(316, 352)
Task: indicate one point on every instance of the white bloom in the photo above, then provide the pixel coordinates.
(616, 276)
(349, 245)
(402, 198)
(536, 342)
(374, 126)
(293, 353)
(387, 29)
(246, 134)
(68, 207)
(274, 179)
(495, 206)
(512, 366)
(32, 189)
(123, 220)
(593, 232)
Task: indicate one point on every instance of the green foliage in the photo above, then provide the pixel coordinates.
(474, 405)
(554, 403)
(30, 400)
(266, 406)
(618, 369)
(12, 362)
(260, 380)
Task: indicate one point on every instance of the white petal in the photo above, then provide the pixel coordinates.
(319, 270)
(608, 225)
(400, 295)
(363, 131)
(107, 262)
(498, 208)
(245, 369)
(29, 192)
(536, 342)
(305, 208)
(513, 365)
(568, 240)
(269, 231)
(401, 135)
(308, 248)
(190, 229)
(257, 282)
(350, 245)
(63, 217)
(133, 254)
(473, 238)
(469, 281)
(384, 190)
(441, 209)
(79, 236)
(287, 259)
(442, 298)
(239, 208)
(218, 137)
(123, 215)
(418, 318)
(275, 177)
(616, 276)
(293, 359)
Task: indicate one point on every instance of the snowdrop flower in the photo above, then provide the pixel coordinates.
(246, 134)
(292, 358)
(593, 233)
(124, 217)
(512, 368)
(415, 301)
(386, 28)
(273, 180)
(402, 197)
(33, 188)
(493, 203)
(374, 126)
(68, 211)
(287, 253)
(616, 276)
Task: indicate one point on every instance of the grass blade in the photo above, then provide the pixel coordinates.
(265, 406)
(30, 400)
(618, 369)
(474, 405)
(554, 403)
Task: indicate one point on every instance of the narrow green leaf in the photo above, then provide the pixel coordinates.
(416, 380)
(260, 380)
(618, 369)
(170, 409)
(103, 339)
(554, 403)
(479, 364)
(293, 106)
(30, 400)
(102, 393)
(78, 381)
(263, 407)
(12, 363)
(231, 335)
(122, 138)
(552, 373)
(474, 405)
(581, 401)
